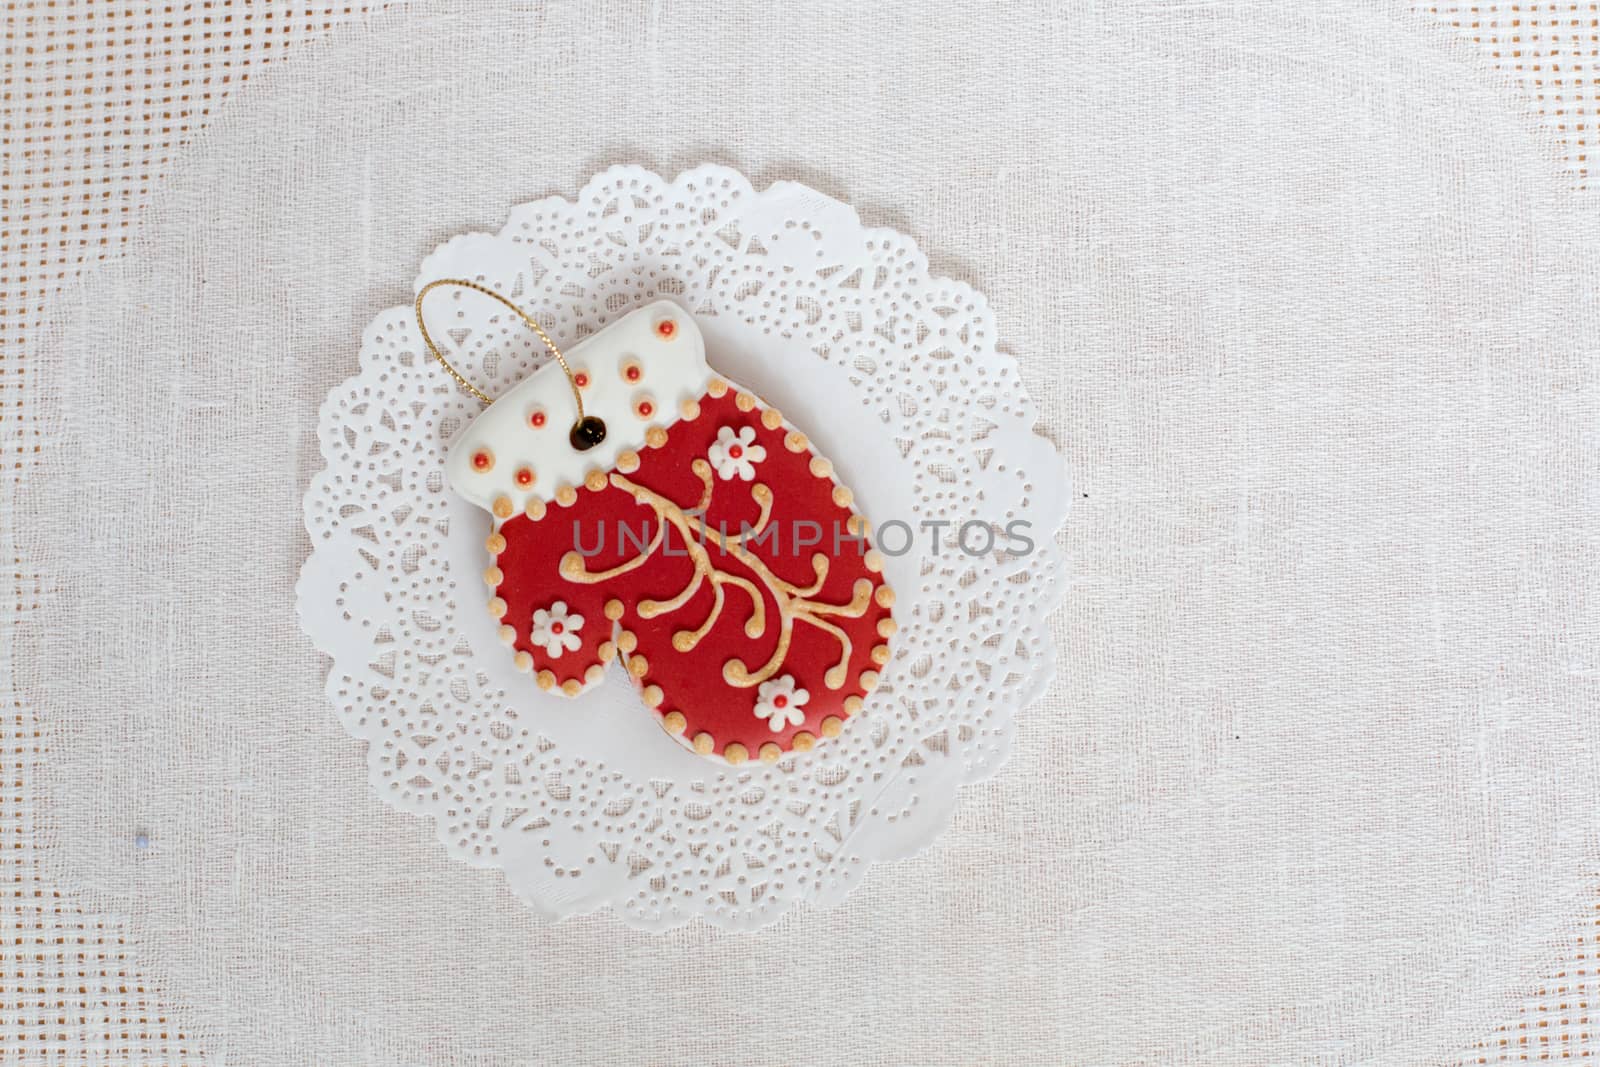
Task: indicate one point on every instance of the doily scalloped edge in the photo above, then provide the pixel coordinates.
(934, 815)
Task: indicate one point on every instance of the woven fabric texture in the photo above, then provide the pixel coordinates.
(1305, 299)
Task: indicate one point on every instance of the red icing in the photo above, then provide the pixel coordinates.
(692, 682)
(536, 419)
(582, 379)
(666, 327)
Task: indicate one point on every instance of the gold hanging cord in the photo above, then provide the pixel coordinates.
(577, 394)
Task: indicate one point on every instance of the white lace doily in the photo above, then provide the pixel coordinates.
(587, 803)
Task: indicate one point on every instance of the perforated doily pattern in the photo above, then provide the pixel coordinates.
(98, 98)
(790, 284)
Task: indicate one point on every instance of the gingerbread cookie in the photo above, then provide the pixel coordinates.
(684, 526)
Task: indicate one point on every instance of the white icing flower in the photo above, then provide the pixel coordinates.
(736, 454)
(780, 703)
(556, 630)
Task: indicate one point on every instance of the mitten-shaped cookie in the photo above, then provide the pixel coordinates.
(684, 526)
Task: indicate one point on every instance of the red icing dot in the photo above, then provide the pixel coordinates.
(736, 451)
(632, 374)
(582, 379)
(524, 476)
(536, 420)
(557, 628)
(481, 460)
(646, 409)
(666, 327)
(780, 701)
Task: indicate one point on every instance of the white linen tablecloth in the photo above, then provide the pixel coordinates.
(1305, 296)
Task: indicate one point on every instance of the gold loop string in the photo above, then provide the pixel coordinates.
(422, 325)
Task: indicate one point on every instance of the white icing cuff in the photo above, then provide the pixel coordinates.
(634, 375)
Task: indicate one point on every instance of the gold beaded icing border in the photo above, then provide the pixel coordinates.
(625, 641)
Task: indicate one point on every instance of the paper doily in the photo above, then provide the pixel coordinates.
(588, 803)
